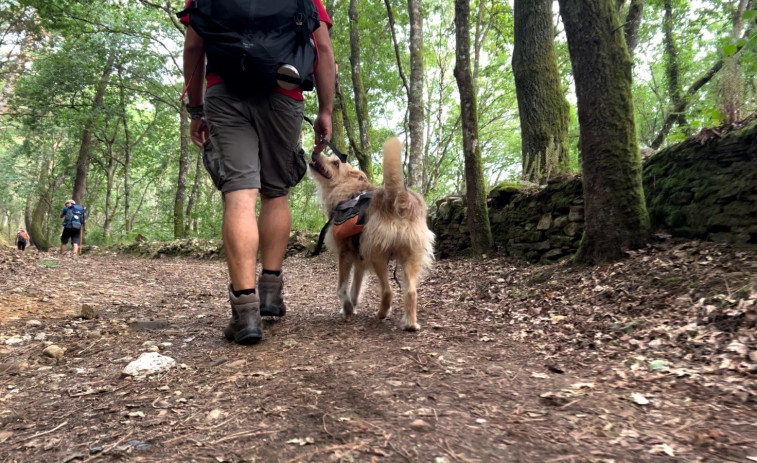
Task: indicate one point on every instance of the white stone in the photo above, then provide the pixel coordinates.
(149, 363)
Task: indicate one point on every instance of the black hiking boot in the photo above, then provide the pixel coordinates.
(245, 324)
(271, 300)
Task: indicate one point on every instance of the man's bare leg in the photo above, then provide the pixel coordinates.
(240, 237)
(274, 224)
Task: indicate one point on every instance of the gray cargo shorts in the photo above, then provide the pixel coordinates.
(254, 141)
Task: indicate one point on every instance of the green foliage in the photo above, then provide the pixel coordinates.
(55, 54)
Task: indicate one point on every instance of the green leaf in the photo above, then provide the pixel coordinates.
(657, 364)
(47, 263)
(730, 49)
(749, 15)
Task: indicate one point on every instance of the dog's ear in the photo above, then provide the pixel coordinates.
(357, 175)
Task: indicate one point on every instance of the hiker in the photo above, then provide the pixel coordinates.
(74, 218)
(248, 120)
(21, 239)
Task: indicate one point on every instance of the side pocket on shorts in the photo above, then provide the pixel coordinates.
(213, 165)
(298, 165)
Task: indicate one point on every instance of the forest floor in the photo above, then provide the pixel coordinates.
(653, 358)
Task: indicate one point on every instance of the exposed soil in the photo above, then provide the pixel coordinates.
(650, 359)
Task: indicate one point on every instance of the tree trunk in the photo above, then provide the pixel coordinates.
(353, 144)
(361, 99)
(338, 135)
(672, 69)
(544, 112)
(672, 116)
(616, 217)
(28, 212)
(110, 173)
(36, 228)
(194, 193)
(732, 82)
(631, 26)
(478, 215)
(415, 95)
(127, 162)
(181, 182)
(82, 161)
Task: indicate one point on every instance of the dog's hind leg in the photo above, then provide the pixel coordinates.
(412, 270)
(345, 268)
(381, 267)
(357, 282)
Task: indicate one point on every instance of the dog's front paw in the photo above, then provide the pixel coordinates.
(407, 325)
(347, 310)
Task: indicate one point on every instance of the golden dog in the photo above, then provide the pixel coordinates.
(395, 228)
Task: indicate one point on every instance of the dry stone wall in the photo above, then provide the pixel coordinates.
(536, 225)
(705, 188)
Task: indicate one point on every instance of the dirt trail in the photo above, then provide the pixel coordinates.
(513, 363)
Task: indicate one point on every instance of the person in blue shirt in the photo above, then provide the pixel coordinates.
(72, 226)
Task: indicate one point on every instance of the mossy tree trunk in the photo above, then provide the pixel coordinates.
(478, 214)
(82, 161)
(544, 112)
(632, 23)
(339, 135)
(415, 95)
(42, 206)
(616, 217)
(672, 66)
(362, 152)
(732, 83)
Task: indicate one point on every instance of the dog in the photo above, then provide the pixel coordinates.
(395, 228)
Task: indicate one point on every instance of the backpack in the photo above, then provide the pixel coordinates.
(75, 217)
(349, 217)
(257, 44)
(22, 236)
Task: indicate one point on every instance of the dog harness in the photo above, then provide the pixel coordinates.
(348, 218)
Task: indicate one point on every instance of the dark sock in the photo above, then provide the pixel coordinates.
(272, 272)
(242, 292)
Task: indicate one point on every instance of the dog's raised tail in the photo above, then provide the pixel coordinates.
(394, 180)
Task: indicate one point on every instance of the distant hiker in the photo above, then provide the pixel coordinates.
(21, 239)
(74, 218)
(249, 123)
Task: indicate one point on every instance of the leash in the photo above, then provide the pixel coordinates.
(342, 157)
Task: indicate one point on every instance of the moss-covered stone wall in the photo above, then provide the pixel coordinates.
(705, 187)
(536, 225)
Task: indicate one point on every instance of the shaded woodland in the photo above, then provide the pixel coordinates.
(649, 353)
(481, 92)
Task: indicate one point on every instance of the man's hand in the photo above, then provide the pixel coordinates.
(322, 128)
(198, 131)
